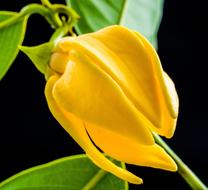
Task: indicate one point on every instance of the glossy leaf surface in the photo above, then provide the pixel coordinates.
(10, 37)
(140, 15)
(69, 173)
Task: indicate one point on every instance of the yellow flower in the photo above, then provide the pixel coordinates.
(108, 88)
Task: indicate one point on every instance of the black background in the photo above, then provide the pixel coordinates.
(29, 135)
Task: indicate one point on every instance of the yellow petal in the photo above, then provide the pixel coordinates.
(172, 97)
(166, 85)
(167, 94)
(120, 53)
(128, 151)
(140, 75)
(92, 95)
(75, 127)
(58, 61)
(134, 65)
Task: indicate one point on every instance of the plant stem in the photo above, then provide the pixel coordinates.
(49, 11)
(46, 3)
(27, 11)
(94, 181)
(194, 182)
(59, 33)
(72, 16)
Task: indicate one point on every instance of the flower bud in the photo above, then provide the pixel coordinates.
(111, 91)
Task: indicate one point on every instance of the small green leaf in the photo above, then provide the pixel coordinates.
(69, 173)
(10, 37)
(39, 55)
(140, 15)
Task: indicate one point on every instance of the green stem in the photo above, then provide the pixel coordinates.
(51, 12)
(29, 10)
(94, 181)
(188, 175)
(72, 16)
(46, 3)
(59, 33)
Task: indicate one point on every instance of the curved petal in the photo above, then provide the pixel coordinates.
(120, 53)
(89, 93)
(172, 101)
(166, 84)
(75, 127)
(127, 57)
(58, 61)
(136, 67)
(128, 151)
(167, 94)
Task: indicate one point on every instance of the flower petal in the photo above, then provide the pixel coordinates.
(167, 94)
(92, 95)
(58, 62)
(75, 127)
(127, 57)
(124, 149)
(120, 53)
(166, 84)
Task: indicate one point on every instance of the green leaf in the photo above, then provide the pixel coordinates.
(140, 15)
(69, 173)
(39, 55)
(10, 37)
